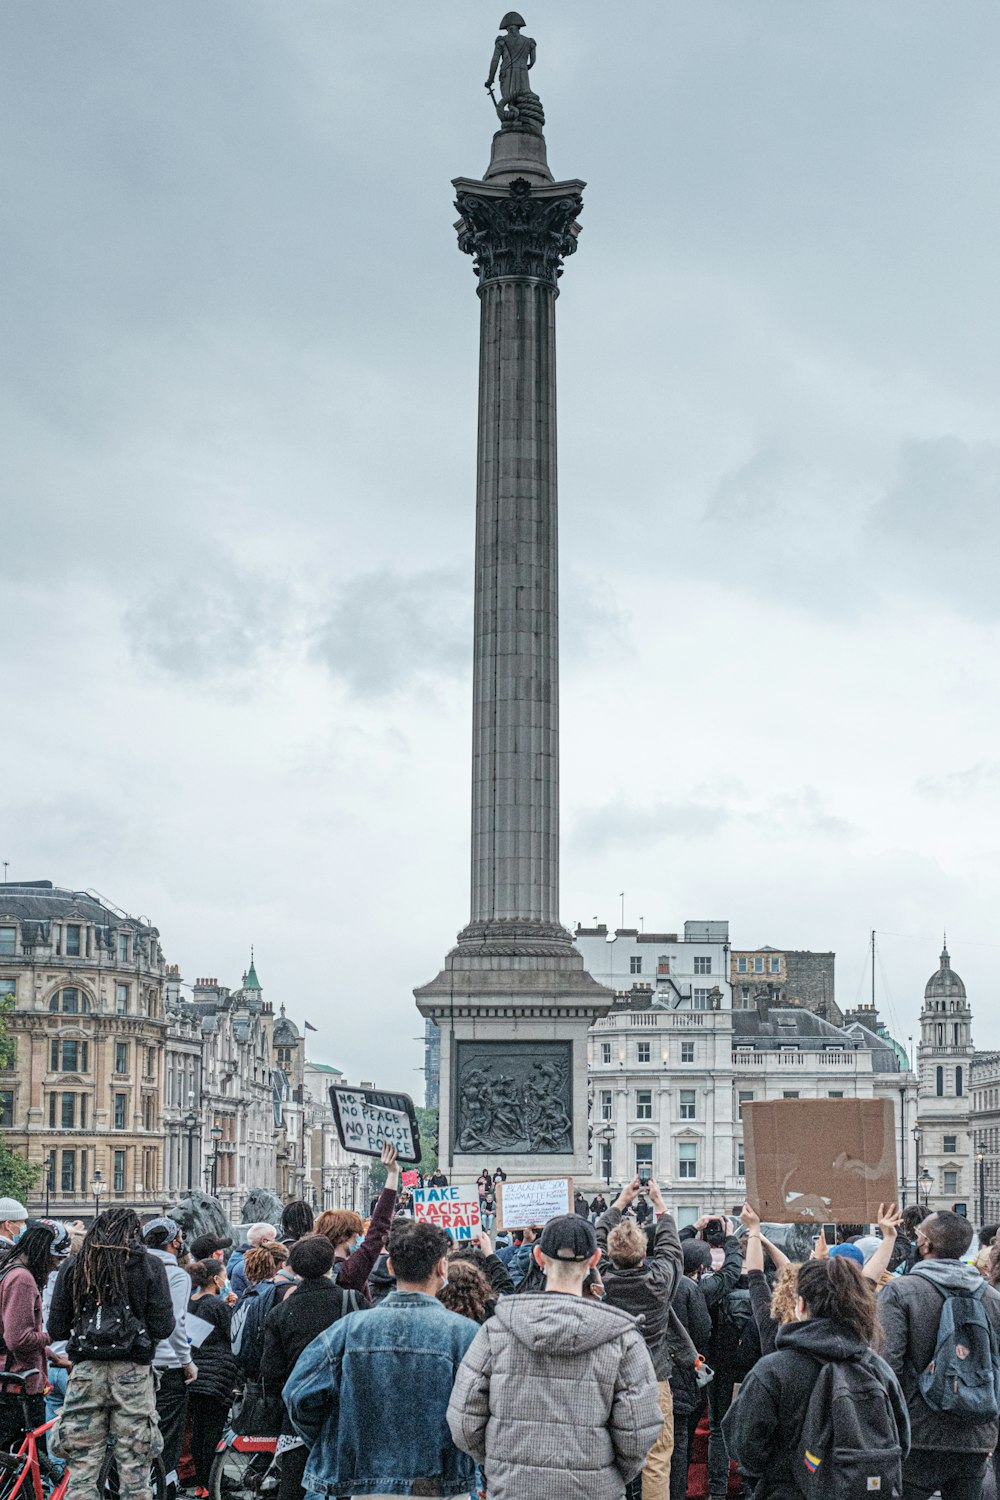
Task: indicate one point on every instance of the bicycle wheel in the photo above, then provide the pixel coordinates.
(12, 1469)
(237, 1474)
(107, 1481)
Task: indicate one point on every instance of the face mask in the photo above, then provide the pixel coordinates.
(357, 1242)
(21, 1229)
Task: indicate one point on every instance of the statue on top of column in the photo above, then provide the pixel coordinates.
(519, 108)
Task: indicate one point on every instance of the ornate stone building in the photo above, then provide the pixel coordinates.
(82, 1088)
(945, 1065)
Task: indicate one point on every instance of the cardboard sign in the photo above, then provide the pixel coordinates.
(814, 1161)
(521, 1204)
(409, 1179)
(454, 1209)
(368, 1119)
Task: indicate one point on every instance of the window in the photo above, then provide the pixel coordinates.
(6, 1109)
(951, 1182)
(121, 999)
(121, 1057)
(606, 1104)
(123, 947)
(71, 1002)
(642, 1052)
(8, 989)
(53, 1105)
(83, 1112)
(119, 1170)
(687, 1052)
(688, 1104)
(68, 1111)
(687, 1153)
(635, 965)
(699, 999)
(745, 996)
(758, 965)
(285, 1054)
(644, 1104)
(72, 940)
(605, 1052)
(8, 939)
(836, 1094)
(120, 1111)
(775, 965)
(702, 965)
(939, 1082)
(147, 1112)
(950, 1145)
(606, 1160)
(745, 1096)
(150, 1062)
(790, 1094)
(958, 1082)
(67, 1179)
(742, 966)
(643, 1154)
(68, 1056)
(741, 1165)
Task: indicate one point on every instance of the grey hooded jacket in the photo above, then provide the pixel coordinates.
(556, 1396)
(909, 1308)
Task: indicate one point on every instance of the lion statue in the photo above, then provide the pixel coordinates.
(197, 1214)
(262, 1207)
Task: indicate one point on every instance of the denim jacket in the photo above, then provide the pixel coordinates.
(370, 1396)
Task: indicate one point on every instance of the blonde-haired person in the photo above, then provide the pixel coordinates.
(355, 1249)
(641, 1280)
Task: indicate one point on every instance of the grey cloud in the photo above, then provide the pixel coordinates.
(208, 626)
(619, 823)
(982, 779)
(803, 812)
(388, 630)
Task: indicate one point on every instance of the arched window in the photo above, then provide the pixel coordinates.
(958, 1082)
(940, 1082)
(71, 1001)
(940, 1035)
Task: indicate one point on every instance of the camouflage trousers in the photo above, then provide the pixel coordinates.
(114, 1400)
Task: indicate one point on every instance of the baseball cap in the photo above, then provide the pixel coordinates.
(849, 1252)
(168, 1227)
(208, 1244)
(568, 1237)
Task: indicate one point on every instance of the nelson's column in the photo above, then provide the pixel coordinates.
(513, 1001)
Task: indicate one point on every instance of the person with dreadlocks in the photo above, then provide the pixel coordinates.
(112, 1304)
(24, 1270)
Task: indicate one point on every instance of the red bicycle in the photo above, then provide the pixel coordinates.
(29, 1472)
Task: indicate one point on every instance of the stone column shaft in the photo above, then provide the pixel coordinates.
(515, 735)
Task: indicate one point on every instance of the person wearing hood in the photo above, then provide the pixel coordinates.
(644, 1285)
(950, 1449)
(368, 1397)
(836, 1323)
(553, 1366)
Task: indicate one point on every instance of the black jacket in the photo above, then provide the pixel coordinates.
(646, 1290)
(294, 1323)
(148, 1296)
(760, 1302)
(909, 1309)
(763, 1426)
(694, 1317)
(214, 1356)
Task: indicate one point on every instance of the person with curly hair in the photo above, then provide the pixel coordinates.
(467, 1291)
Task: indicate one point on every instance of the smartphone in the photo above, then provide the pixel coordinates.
(829, 1234)
(645, 1173)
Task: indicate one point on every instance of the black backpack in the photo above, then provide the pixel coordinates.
(108, 1333)
(848, 1447)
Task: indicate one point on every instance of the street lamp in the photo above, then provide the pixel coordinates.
(97, 1187)
(606, 1135)
(190, 1123)
(216, 1134)
(926, 1181)
(916, 1133)
(50, 1179)
(981, 1159)
(355, 1174)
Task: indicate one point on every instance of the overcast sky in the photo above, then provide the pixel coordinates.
(237, 395)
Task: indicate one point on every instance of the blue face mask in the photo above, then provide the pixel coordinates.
(22, 1230)
(359, 1240)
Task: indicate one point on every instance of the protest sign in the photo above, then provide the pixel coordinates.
(409, 1179)
(815, 1161)
(368, 1119)
(520, 1204)
(455, 1209)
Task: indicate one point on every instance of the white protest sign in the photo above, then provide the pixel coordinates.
(369, 1127)
(525, 1203)
(454, 1209)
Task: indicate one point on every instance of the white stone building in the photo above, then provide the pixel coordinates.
(672, 1065)
(946, 1142)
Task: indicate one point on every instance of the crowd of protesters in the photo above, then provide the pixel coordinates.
(577, 1361)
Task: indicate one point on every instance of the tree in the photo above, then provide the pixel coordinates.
(17, 1175)
(427, 1122)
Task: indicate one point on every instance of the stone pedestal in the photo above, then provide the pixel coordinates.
(513, 1001)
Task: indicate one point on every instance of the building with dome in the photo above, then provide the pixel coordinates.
(944, 1156)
